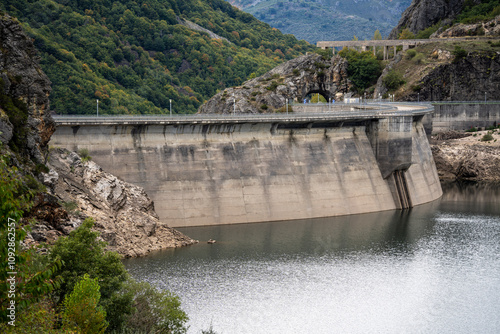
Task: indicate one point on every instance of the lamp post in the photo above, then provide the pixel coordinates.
(484, 97)
(97, 107)
(418, 97)
(170, 107)
(234, 104)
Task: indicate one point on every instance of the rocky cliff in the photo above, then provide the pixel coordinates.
(25, 121)
(438, 72)
(424, 13)
(293, 80)
(124, 214)
(68, 189)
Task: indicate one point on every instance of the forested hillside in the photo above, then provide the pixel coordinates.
(136, 56)
(315, 20)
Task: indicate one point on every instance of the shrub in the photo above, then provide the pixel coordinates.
(272, 86)
(419, 58)
(84, 154)
(459, 53)
(264, 107)
(411, 53)
(487, 137)
(473, 129)
(393, 80)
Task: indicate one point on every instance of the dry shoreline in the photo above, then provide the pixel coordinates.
(463, 155)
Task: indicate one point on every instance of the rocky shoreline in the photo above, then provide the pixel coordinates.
(467, 156)
(124, 214)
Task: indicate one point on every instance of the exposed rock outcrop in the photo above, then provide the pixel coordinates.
(123, 213)
(24, 113)
(424, 13)
(467, 157)
(490, 28)
(443, 77)
(293, 80)
(194, 26)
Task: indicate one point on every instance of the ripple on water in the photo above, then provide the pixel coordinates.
(446, 281)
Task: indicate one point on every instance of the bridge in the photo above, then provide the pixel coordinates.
(226, 169)
(386, 44)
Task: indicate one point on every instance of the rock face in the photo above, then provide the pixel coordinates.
(467, 158)
(450, 79)
(293, 80)
(424, 13)
(490, 28)
(123, 213)
(24, 113)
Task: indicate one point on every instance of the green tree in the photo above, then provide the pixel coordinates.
(81, 309)
(156, 311)
(83, 253)
(363, 68)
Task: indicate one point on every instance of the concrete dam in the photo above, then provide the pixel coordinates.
(225, 169)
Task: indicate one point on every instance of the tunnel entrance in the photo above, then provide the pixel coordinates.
(316, 97)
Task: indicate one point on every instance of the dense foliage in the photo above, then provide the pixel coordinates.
(472, 12)
(136, 57)
(363, 68)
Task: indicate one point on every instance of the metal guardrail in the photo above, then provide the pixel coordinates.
(355, 112)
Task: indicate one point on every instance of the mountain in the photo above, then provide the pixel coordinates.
(136, 57)
(430, 15)
(315, 20)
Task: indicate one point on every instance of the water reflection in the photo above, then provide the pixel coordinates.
(434, 269)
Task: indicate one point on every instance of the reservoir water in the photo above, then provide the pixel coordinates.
(434, 269)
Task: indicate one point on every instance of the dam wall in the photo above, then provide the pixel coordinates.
(205, 174)
(463, 116)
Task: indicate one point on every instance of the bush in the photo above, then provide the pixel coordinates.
(264, 107)
(393, 80)
(419, 58)
(487, 137)
(473, 129)
(459, 53)
(84, 154)
(411, 53)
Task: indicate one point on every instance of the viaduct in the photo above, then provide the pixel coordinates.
(228, 169)
(384, 44)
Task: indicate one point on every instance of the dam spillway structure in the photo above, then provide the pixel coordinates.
(229, 169)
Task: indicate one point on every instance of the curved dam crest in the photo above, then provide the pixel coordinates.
(244, 172)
